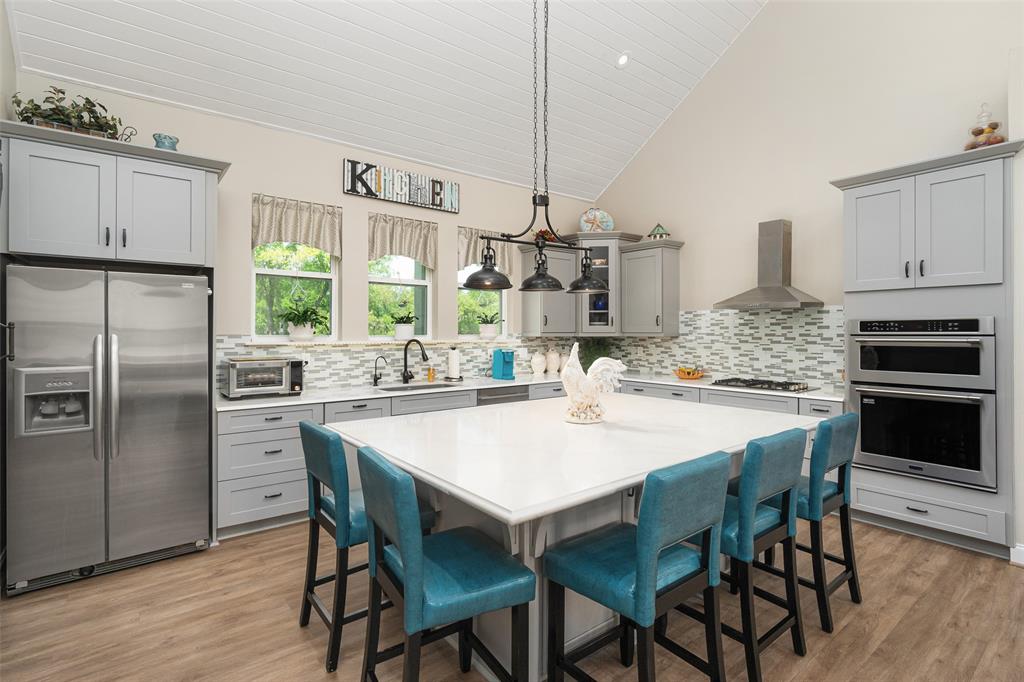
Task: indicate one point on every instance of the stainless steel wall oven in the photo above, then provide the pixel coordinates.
(926, 394)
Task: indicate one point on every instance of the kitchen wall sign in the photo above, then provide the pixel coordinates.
(402, 187)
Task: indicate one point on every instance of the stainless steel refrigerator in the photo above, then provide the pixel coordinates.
(107, 421)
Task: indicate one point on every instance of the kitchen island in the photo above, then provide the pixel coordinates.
(527, 478)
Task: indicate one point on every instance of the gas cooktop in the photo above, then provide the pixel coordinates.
(766, 384)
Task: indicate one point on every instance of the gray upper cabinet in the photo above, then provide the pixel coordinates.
(601, 314)
(161, 212)
(62, 201)
(879, 234)
(960, 225)
(551, 313)
(650, 288)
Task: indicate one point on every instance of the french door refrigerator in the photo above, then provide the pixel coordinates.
(108, 421)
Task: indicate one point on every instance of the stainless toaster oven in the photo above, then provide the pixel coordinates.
(261, 377)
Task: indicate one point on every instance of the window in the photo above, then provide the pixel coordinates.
(399, 285)
(288, 274)
(473, 303)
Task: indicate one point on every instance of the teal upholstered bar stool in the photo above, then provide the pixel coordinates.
(441, 581)
(643, 571)
(816, 498)
(771, 466)
(341, 513)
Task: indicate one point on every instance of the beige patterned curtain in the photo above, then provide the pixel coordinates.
(275, 219)
(471, 248)
(392, 235)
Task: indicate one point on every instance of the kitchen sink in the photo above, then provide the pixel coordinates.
(414, 387)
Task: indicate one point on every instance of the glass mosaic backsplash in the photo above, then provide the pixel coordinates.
(800, 344)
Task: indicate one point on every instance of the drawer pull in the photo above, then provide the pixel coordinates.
(270, 497)
(679, 395)
(273, 452)
(274, 419)
(359, 406)
(557, 390)
(639, 390)
(917, 510)
(823, 410)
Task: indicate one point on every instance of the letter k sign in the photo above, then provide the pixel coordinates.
(356, 175)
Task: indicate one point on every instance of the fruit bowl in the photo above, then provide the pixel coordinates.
(689, 373)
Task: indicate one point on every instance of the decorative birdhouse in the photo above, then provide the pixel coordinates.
(659, 232)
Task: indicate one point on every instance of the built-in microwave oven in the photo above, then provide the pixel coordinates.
(255, 377)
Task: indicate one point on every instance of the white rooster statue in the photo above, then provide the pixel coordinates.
(585, 388)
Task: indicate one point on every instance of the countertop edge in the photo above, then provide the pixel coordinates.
(817, 393)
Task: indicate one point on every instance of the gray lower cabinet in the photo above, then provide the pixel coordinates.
(686, 393)
(546, 391)
(350, 410)
(257, 498)
(650, 288)
(820, 408)
(241, 421)
(552, 313)
(753, 401)
(432, 402)
(258, 452)
(502, 394)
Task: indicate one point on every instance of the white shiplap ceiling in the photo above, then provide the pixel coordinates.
(444, 82)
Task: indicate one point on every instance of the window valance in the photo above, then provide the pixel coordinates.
(275, 219)
(471, 248)
(392, 235)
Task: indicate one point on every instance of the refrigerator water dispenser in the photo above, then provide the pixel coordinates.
(53, 400)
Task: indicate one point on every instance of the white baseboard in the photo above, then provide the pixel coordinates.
(1017, 555)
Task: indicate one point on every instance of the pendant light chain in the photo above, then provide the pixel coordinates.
(545, 96)
(535, 98)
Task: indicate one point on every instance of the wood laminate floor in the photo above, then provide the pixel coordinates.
(930, 612)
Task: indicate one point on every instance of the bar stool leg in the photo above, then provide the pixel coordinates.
(745, 583)
(338, 610)
(556, 631)
(645, 653)
(846, 527)
(661, 625)
(372, 632)
(312, 552)
(820, 576)
(411, 668)
(713, 634)
(734, 571)
(465, 651)
(769, 556)
(793, 596)
(627, 644)
(520, 643)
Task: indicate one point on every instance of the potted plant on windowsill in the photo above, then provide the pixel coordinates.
(405, 324)
(488, 324)
(303, 318)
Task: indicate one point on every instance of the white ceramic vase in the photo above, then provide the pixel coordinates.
(538, 363)
(488, 331)
(403, 332)
(303, 333)
(552, 361)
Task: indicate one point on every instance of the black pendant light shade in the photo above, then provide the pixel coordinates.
(487, 278)
(540, 280)
(586, 283)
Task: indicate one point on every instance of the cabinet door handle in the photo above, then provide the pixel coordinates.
(273, 452)
(823, 410)
(917, 510)
(359, 406)
(274, 419)
(657, 320)
(679, 395)
(556, 390)
(545, 320)
(124, 237)
(270, 497)
(107, 239)
(639, 390)
(611, 320)
(920, 267)
(906, 269)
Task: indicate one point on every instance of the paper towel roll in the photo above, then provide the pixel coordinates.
(453, 364)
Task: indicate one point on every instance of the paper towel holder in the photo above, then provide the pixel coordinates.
(452, 349)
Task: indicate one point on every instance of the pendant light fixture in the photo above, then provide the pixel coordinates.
(488, 277)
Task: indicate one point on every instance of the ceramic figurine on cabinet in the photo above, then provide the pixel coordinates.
(165, 141)
(585, 388)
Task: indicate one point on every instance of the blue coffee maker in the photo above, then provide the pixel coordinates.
(504, 365)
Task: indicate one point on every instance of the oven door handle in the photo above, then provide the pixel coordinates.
(957, 397)
(903, 341)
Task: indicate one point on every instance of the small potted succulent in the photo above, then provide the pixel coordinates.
(303, 319)
(405, 324)
(488, 324)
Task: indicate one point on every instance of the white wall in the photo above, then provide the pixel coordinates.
(298, 166)
(810, 92)
(7, 74)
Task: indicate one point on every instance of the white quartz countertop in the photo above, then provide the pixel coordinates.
(816, 392)
(369, 392)
(520, 461)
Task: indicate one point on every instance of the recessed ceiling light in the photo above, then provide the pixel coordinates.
(622, 60)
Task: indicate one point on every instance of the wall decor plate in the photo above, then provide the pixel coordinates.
(596, 220)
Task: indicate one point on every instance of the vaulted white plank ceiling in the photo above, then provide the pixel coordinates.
(444, 82)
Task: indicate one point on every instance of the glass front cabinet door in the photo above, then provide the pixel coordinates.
(598, 314)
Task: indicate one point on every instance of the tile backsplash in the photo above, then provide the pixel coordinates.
(795, 344)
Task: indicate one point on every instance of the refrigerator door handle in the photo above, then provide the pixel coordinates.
(97, 400)
(115, 395)
(9, 347)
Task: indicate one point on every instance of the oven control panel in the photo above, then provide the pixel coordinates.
(966, 325)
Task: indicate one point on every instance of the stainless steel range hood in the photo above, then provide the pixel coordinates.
(774, 273)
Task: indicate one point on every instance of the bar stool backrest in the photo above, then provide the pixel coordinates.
(392, 511)
(771, 465)
(834, 445)
(678, 502)
(324, 453)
